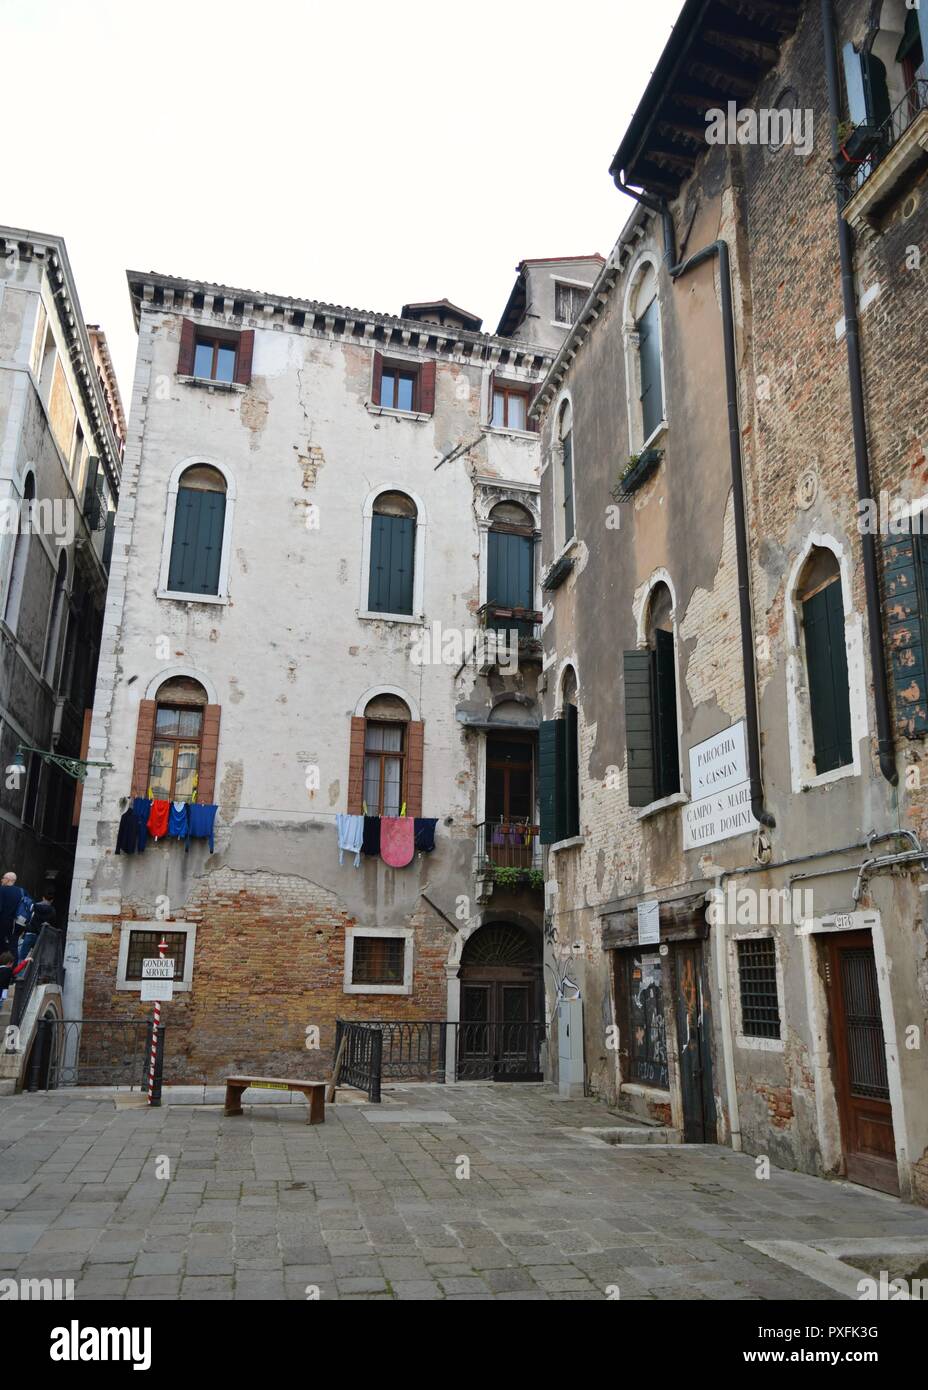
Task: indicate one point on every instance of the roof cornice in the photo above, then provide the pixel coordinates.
(174, 294)
(40, 246)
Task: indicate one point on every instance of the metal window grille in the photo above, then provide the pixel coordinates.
(757, 971)
(144, 944)
(378, 960)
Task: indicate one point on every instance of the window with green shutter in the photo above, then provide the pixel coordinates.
(510, 569)
(822, 603)
(651, 730)
(649, 354)
(199, 528)
(393, 550)
(559, 778)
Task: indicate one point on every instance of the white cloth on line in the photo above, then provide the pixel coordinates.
(350, 837)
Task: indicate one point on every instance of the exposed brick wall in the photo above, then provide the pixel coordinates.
(269, 962)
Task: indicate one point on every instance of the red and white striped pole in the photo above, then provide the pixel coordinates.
(155, 1027)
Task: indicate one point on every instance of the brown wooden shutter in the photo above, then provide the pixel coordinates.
(356, 765)
(415, 744)
(188, 345)
(144, 737)
(376, 385)
(209, 755)
(492, 393)
(79, 789)
(427, 388)
(246, 348)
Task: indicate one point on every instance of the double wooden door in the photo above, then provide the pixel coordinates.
(859, 1051)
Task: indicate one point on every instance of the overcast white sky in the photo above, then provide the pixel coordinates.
(368, 154)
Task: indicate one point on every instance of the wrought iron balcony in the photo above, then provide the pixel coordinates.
(508, 845)
(504, 618)
(874, 158)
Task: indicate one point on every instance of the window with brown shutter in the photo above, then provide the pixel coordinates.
(385, 760)
(177, 744)
(401, 385)
(188, 340)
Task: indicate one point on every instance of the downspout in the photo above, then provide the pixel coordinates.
(858, 417)
(752, 724)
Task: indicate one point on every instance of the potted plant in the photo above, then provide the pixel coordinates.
(636, 471)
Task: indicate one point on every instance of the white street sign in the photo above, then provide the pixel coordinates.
(649, 922)
(717, 764)
(718, 817)
(157, 989)
(154, 968)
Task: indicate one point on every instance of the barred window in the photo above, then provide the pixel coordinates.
(144, 945)
(378, 960)
(757, 972)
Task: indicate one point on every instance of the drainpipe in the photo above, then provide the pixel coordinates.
(858, 417)
(752, 724)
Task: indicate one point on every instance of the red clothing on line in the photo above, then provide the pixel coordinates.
(158, 819)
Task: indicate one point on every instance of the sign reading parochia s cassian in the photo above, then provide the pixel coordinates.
(721, 790)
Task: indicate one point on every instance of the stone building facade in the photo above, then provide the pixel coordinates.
(60, 463)
(326, 516)
(734, 877)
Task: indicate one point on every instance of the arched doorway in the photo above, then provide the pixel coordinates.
(502, 1007)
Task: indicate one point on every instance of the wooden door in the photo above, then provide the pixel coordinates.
(693, 1045)
(859, 1051)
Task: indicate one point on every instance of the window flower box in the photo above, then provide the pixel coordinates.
(637, 471)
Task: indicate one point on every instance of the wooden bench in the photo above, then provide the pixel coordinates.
(314, 1091)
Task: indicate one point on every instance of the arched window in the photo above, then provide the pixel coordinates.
(393, 551)
(511, 563)
(821, 602)
(14, 593)
(559, 767)
(386, 724)
(893, 68)
(651, 729)
(666, 737)
(177, 745)
(571, 753)
(644, 357)
(199, 528)
(566, 443)
(56, 622)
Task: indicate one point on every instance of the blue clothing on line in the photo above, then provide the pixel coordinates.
(142, 808)
(200, 821)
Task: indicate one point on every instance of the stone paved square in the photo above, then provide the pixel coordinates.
(515, 1198)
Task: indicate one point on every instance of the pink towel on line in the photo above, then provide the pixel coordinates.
(397, 840)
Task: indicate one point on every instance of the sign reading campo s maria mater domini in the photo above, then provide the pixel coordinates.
(720, 789)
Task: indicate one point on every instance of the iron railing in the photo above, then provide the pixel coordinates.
(47, 968)
(417, 1050)
(505, 618)
(874, 145)
(94, 1052)
(508, 844)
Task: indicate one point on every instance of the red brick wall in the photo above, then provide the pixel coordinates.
(268, 963)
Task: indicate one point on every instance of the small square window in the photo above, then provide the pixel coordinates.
(757, 973)
(214, 360)
(144, 945)
(510, 409)
(568, 302)
(398, 389)
(378, 960)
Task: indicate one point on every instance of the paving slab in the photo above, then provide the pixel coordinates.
(373, 1204)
